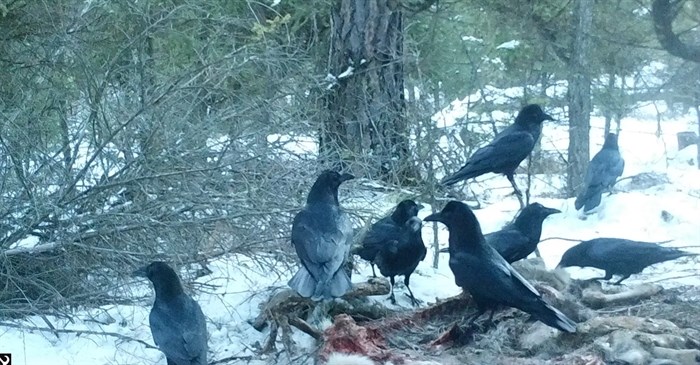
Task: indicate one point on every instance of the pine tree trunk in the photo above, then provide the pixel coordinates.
(579, 96)
(365, 126)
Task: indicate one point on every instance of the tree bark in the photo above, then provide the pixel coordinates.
(579, 96)
(365, 126)
(697, 114)
(664, 12)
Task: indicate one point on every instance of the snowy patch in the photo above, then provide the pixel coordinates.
(294, 144)
(509, 45)
(468, 38)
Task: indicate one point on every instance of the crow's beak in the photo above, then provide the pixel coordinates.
(444, 250)
(420, 206)
(435, 217)
(547, 117)
(140, 273)
(551, 211)
(346, 177)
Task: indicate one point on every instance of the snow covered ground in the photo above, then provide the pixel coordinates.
(240, 285)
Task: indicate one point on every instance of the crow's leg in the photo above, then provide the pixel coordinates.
(620, 281)
(414, 301)
(374, 274)
(608, 276)
(391, 296)
(517, 191)
(476, 316)
(537, 252)
(489, 322)
(320, 312)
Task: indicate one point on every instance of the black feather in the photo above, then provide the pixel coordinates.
(518, 240)
(507, 150)
(602, 173)
(619, 256)
(322, 236)
(485, 274)
(177, 323)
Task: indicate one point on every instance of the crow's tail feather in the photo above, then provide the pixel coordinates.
(465, 173)
(553, 317)
(336, 287)
(308, 287)
(303, 283)
(674, 253)
(588, 199)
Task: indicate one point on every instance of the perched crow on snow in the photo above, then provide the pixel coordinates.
(603, 170)
(518, 240)
(618, 256)
(177, 322)
(402, 255)
(322, 236)
(506, 151)
(491, 281)
(387, 229)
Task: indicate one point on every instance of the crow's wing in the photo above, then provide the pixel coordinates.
(507, 150)
(179, 330)
(510, 243)
(385, 230)
(612, 251)
(490, 276)
(320, 244)
(604, 169)
(502, 155)
(512, 279)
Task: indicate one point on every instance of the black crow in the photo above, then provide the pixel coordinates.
(486, 275)
(603, 170)
(387, 229)
(322, 236)
(618, 256)
(518, 240)
(402, 255)
(177, 322)
(507, 150)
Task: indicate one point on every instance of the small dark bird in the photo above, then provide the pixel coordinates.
(518, 240)
(322, 236)
(618, 256)
(485, 274)
(507, 150)
(387, 229)
(178, 325)
(603, 170)
(402, 255)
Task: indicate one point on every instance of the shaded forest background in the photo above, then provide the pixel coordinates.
(134, 130)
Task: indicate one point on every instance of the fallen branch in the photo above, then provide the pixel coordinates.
(305, 327)
(79, 332)
(597, 299)
(287, 301)
(231, 358)
(286, 308)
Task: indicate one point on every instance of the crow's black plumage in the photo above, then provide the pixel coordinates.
(491, 281)
(618, 256)
(602, 173)
(517, 240)
(178, 325)
(386, 230)
(322, 236)
(402, 255)
(507, 150)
